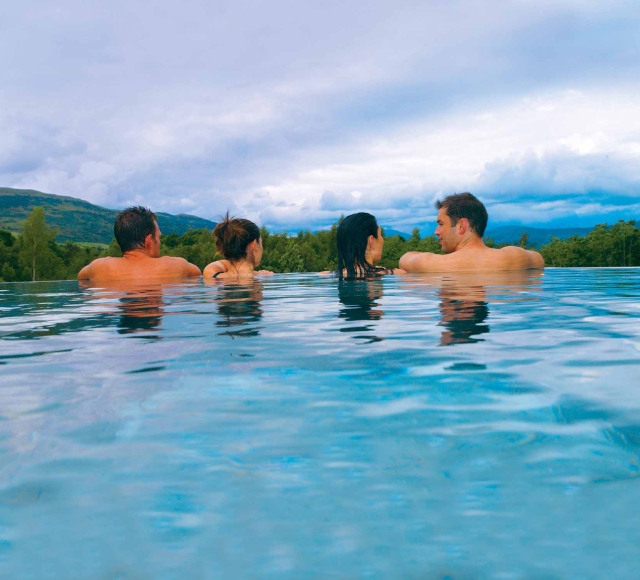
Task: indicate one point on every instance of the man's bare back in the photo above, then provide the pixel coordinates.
(137, 266)
(475, 258)
(464, 249)
(142, 260)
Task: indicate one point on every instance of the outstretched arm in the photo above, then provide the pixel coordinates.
(537, 261)
(418, 261)
(192, 269)
(86, 272)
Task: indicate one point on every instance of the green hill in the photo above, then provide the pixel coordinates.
(78, 220)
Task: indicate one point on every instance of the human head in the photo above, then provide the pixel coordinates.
(360, 244)
(132, 229)
(459, 214)
(238, 239)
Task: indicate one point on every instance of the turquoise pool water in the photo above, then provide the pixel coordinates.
(411, 427)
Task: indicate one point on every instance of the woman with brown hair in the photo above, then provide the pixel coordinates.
(239, 241)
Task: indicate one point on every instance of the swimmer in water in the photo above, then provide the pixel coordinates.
(138, 235)
(239, 241)
(462, 219)
(360, 245)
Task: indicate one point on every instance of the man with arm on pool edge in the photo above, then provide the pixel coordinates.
(138, 235)
(462, 219)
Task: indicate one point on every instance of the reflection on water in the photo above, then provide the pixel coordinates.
(512, 453)
(140, 304)
(141, 312)
(463, 315)
(464, 301)
(360, 304)
(239, 307)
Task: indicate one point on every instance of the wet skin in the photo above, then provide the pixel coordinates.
(140, 264)
(464, 250)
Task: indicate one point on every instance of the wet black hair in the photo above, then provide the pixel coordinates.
(132, 226)
(233, 235)
(466, 205)
(352, 237)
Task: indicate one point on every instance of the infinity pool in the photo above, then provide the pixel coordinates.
(411, 427)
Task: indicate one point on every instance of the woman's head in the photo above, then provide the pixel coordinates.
(360, 245)
(238, 239)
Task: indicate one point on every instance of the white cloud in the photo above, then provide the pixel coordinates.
(532, 148)
(287, 111)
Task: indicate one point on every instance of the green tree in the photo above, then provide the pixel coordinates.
(524, 241)
(291, 260)
(114, 250)
(35, 250)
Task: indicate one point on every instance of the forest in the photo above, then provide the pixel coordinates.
(34, 254)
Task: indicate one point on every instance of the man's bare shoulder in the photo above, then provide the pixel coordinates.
(520, 258)
(170, 261)
(472, 259)
(99, 267)
(177, 265)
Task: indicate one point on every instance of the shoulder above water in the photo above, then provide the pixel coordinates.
(139, 267)
(473, 259)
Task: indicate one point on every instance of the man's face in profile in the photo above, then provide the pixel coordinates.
(446, 233)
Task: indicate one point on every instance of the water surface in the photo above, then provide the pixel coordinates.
(410, 427)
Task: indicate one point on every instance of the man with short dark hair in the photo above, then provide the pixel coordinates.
(138, 235)
(462, 220)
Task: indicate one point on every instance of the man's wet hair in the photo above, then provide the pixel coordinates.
(465, 205)
(132, 226)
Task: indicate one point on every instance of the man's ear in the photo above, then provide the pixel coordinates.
(148, 241)
(463, 226)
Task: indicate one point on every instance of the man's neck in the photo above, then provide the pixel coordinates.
(137, 254)
(470, 242)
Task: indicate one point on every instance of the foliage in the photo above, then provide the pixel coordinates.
(36, 247)
(195, 246)
(605, 246)
(617, 245)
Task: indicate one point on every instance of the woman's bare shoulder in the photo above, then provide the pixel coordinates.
(214, 267)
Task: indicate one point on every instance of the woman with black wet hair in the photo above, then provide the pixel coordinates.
(239, 241)
(360, 245)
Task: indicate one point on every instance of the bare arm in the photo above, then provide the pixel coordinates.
(85, 273)
(90, 271)
(192, 269)
(521, 259)
(537, 261)
(418, 261)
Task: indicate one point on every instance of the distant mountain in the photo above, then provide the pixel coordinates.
(389, 232)
(537, 236)
(78, 220)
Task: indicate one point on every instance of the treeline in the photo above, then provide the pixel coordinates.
(35, 255)
(605, 246)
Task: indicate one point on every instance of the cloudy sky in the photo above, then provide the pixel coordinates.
(293, 112)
